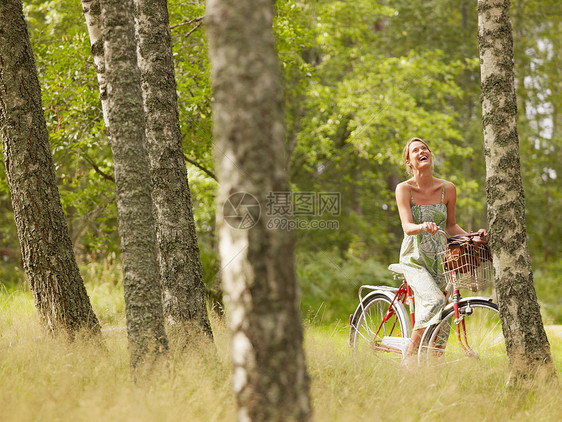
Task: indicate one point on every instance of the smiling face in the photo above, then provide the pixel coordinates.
(417, 155)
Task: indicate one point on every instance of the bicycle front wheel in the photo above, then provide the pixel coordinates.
(477, 333)
(378, 326)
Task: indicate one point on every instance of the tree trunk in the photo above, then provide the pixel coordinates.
(180, 264)
(48, 258)
(143, 302)
(261, 294)
(92, 13)
(526, 342)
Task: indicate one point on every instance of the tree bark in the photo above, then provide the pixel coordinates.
(48, 258)
(181, 271)
(143, 302)
(92, 13)
(526, 342)
(261, 294)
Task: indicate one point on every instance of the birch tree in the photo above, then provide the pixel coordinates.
(183, 289)
(261, 297)
(181, 271)
(526, 342)
(48, 257)
(143, 303)
(92, 14)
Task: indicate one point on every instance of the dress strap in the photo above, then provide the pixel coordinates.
(411, 195)
(443, 193)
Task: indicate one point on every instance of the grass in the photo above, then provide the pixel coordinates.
(48, 380)
(348, 388)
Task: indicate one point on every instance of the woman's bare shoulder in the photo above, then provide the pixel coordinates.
(450, 191)
(403, 187)
(448, 185)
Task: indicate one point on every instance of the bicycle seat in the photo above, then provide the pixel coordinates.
(397, 268)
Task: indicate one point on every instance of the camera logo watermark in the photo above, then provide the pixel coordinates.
(241, 210)
(285, 210)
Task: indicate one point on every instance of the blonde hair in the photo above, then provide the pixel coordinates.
(406, 153)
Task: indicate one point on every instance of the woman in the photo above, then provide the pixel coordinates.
(426, 204)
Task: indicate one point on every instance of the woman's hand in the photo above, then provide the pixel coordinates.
(430, 227)
(483, 233)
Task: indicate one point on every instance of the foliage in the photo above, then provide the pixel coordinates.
(537, 45)
(548, 285)
(329, 283)
(11, 276)
(81, 153)
(79, 143)
(211, 276)
(194, 104)
(360, 79)
(367, 97)
(103, 282)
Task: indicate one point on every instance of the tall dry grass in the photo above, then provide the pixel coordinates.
(366, 388)
(44, 379)
(50, 380)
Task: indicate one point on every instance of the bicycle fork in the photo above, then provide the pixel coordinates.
(460, 324)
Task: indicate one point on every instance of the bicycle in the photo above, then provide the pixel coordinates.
(469, 327)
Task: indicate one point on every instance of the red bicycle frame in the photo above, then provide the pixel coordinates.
(404, 295)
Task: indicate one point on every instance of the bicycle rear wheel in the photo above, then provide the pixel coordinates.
(479, 335)
(376, 326)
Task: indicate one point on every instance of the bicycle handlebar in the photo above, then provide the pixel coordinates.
(457, 236)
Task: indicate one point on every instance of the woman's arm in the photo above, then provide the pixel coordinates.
(452, 228)
(403, 202)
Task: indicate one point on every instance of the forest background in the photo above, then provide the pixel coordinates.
(361, 78)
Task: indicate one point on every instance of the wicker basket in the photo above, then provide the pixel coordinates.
(468, 266)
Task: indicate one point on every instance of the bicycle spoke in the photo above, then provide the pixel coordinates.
(492, 331)
(369, 330)
(490, 335)
(381, 315)
(480, 338)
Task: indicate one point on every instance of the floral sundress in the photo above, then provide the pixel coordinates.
(421, 263)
